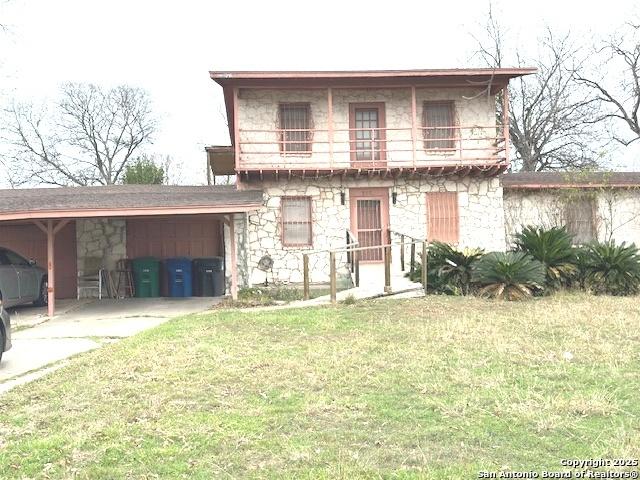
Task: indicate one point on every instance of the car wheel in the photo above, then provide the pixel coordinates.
(43, 297)
(2, 340)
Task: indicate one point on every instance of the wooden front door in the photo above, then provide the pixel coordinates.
(367, 135)
(370, 220)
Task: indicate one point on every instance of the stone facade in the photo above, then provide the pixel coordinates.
(100, 243)
(481, 216)
(481, 220)
(258, 113)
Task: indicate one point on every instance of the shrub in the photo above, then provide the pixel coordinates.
(553, 248)
(449, 270)
(510, 275)
(607, 268)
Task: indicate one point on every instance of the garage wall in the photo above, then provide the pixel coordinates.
(31, 242)
(188, 236)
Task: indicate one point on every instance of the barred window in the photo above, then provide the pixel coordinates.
(438, 119)
(296, 131)
(443, 219)
(296, 221)
(579, 219)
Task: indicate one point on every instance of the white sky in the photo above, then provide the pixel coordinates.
(168, 48)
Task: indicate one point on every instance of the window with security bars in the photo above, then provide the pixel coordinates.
(296, 130)
(579, 219)
(443, 219)
(296, 221)
(438, 120)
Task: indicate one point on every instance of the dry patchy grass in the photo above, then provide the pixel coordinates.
(440, 387)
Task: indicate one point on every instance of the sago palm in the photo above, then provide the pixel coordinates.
(508, 275)
(554, 249)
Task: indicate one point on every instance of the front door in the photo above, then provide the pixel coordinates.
(370, 220)
(367, 127)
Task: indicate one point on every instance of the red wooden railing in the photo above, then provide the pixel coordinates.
(370, 148)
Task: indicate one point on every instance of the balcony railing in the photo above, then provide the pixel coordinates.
(370, 148)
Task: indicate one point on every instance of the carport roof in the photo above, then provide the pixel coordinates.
(124, 200)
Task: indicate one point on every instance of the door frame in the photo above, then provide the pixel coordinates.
(370, 193)
(382, 141)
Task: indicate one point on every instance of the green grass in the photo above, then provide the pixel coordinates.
(440, 387)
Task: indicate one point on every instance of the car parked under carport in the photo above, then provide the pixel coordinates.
(21, 280)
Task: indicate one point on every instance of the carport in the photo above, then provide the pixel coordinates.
(203, 216)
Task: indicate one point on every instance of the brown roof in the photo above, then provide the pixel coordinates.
(537, 180)
(124, 200)
(341, 74)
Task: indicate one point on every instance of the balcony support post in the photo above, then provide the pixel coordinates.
(505, 122)
(414, 121)
(236, 137)
(330, 121)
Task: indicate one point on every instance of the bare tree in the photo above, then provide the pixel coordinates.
(86, 139)
(549, 118)
(618, 91)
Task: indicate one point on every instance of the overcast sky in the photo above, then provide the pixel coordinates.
(168, 48)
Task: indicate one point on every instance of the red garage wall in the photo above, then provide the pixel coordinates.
(192, 236)
(31, 242)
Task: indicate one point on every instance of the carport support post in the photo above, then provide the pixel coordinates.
(234, 258)
(51, 298)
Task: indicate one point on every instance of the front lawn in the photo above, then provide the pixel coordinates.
(440, 387)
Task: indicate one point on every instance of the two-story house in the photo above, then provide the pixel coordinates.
(370, 152)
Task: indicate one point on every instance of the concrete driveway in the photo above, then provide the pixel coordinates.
(40, 345)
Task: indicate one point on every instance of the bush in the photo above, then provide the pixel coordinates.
(449, 270)
(554, 249)
(607, 268)
(510, 275)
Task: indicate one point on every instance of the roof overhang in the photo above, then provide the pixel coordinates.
(221, 160)
(494, 78)
(570, 180)
(124, 201)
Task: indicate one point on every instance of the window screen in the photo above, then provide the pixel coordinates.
(296, 221)
(295, 123)
(442, 217)
(438, 121)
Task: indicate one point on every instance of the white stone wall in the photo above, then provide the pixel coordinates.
(103, 239)
(480, 211)
(617, 214)
(258, 110)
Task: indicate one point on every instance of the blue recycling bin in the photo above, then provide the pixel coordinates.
(178, 276)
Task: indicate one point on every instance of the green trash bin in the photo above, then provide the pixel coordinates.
(146, 276)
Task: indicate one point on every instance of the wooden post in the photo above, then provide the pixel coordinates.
(51, 275)
(305, 271)
(402, 253)
(424, 266)
(387, 269)
(234, 258)
(412, 260)
(357, 260)
(505, 121)
(414, 121)
(332, 276)
(330, 123)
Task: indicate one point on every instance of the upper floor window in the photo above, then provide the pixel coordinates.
(438, 120)
(296, 221)
(296, 130)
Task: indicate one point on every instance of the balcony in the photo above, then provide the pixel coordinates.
(380, 151)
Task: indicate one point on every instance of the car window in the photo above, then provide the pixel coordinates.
(3, 258)
(15, 259)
